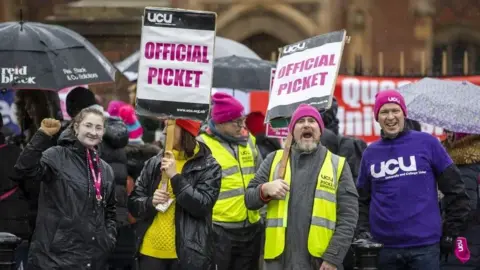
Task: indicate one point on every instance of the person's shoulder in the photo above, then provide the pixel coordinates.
(424, 137)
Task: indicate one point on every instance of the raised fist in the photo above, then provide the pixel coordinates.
(50, 126)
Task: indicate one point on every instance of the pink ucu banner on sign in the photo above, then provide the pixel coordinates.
(461, 250)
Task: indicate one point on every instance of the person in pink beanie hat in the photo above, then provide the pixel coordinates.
(135, 130)
(114, 106)
(226, 108)
(236, 151)
(390, 112)
(312, 209)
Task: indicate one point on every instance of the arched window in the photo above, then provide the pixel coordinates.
(455, 41)
(263, 44)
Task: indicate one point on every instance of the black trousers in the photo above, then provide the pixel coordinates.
(150, 263)
(234, 252)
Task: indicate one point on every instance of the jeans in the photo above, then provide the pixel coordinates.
(414, 258)
(21, 255)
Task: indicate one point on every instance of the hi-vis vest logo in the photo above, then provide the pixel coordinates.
(16, 75)
(393, 99)
(155, 17)
(395, 168)
(294, 48)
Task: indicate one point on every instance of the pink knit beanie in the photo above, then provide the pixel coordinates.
(389, 96)
(114, 107)
(305, 110)
(225, 108)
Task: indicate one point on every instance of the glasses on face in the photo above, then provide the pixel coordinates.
(239, 122)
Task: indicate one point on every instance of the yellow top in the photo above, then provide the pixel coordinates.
(159, 240)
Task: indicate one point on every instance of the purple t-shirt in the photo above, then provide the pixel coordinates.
(401, 176)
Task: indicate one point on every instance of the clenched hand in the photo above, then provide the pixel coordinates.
(50, 126)
(276, 189)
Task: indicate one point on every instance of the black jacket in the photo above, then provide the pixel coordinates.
(196, 191)
(14, 209)
(72, 230)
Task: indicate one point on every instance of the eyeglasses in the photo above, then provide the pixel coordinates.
(239, 122)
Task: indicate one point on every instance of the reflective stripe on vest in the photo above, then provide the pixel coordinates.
(238, 168)
(324, 212)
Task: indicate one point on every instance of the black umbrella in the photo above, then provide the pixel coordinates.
(48, 57)
(242, 73)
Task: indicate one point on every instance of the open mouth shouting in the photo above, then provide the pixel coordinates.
(307, 135)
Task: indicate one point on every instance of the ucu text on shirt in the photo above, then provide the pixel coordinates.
(395, 167)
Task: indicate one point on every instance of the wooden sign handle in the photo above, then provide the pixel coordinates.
(169, 139)
(286, 154)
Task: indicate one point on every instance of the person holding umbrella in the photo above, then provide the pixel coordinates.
(76, 225)
(397, 184)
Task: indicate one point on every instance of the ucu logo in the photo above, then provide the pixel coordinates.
(393, 99)
(159, 17)
(392, 166)
(294, 48)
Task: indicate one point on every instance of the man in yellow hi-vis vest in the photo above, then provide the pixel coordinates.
(312, 212)
(237, 230)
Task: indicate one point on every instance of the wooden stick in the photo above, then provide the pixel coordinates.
(170, 136)
(465, 63)
(286, 154)
(402, 63)
(444, 63)
(380, 64)
(273, 56)
(423, 63)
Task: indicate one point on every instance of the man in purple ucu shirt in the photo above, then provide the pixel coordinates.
(398, 200)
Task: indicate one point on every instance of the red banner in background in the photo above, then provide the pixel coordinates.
(356, 97)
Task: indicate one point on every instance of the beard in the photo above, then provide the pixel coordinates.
(306, 146)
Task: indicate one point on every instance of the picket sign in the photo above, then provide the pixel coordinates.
(306, 72)
(175, 69)
(176, 63)
(271, 132)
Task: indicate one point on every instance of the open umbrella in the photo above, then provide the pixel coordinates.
(223, 47)
(448, 104)
(48, 57)
(242, 73)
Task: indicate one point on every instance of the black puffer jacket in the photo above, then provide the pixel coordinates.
(72, 230)
(112, 151)
(196, 191)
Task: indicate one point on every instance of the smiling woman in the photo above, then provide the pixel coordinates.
(89, 127)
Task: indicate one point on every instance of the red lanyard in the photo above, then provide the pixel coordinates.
(97, 178)
(2, 145)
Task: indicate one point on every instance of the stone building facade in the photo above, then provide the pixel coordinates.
(420, 30)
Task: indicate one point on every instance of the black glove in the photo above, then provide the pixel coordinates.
(364, 235)
(447, 245)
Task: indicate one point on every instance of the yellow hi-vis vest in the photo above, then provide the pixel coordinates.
(238, 168)
(324, 213)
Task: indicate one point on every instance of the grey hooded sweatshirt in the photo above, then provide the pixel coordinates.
(305, 168)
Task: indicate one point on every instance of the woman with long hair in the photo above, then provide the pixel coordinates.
(75, 227)
(178, 236)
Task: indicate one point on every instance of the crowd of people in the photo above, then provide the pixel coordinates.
(94, 193)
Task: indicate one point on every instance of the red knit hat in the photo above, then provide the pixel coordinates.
(255, 123)
(190, 126)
